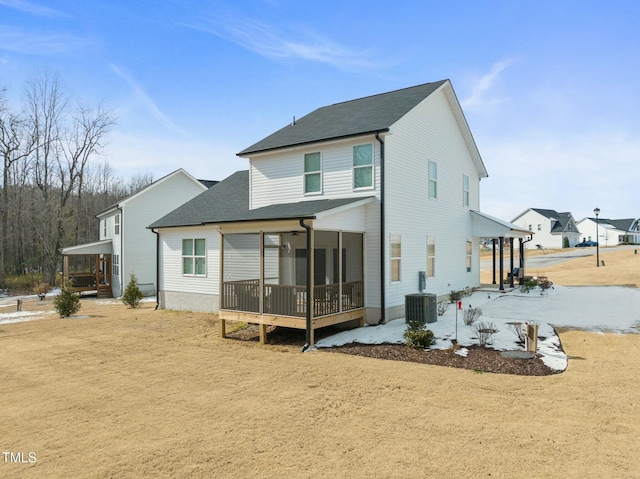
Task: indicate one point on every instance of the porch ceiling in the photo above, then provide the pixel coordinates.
(485, 226)
(99, 247)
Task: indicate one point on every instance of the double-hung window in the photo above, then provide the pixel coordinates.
(115, 265)
(469, 255)
(433, 179)
(116, 221)
(363, 166)
(465, 190)
(431, 256)
(312, 173)
(194, 257)
(396, 255)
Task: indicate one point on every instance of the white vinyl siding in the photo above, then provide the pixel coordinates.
(363, 166)
(277, 178)
(312, 173)
(430, 131)
(171, 278)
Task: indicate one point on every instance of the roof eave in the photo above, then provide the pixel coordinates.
(247, 153)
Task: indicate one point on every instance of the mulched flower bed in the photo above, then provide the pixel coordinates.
(478, 359)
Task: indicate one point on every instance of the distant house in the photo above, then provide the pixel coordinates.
(340, 215)
(551, 229)
(126, 245)
(610, 232)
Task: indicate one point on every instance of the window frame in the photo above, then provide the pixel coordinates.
(469, 254)
(465, 190)
(194, 257)
(355, 168)
(116, 224)
(433, 180)
(307, 174)
(115, 265)
(395, 258)
(431, 257)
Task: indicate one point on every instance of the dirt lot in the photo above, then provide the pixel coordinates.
(144, 393)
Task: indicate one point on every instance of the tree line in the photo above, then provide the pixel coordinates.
(54, 179)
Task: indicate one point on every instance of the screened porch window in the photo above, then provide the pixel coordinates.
(194, 257)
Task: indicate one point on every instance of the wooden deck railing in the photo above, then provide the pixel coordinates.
(291, 300)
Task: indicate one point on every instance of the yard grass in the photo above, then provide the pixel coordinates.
(621, 268)
(145, 393)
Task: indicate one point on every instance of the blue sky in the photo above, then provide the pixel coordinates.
(549, 88)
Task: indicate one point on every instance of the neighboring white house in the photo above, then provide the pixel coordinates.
(610, 232)
(126, 245)
(336, 218)
(551, 229)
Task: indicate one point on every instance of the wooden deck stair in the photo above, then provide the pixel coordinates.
(104, 291)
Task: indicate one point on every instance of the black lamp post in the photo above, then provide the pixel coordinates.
(596, 212)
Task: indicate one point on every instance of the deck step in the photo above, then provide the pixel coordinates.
(104, 291)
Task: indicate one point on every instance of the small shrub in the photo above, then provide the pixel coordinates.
(418, 336)
(41, 289)
(528, 284)
(67, 303)
(442, 307)
(132, 294)
(517, 329)
(471, 315)
(544, 284)
(455, 296)
(485, 332)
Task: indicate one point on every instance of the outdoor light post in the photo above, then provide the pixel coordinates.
(596, 212)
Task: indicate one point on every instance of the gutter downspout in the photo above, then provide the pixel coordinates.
(121, 271)
(309, 280)
(382, 233)
(157, 268)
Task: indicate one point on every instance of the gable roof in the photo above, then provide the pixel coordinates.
(204, 184)
(228, 202)
(368, 115)
(625, 224)
(560, 222)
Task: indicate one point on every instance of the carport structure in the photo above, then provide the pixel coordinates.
(485, 226)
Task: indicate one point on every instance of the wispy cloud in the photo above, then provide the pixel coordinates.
(32, 8)
(280, 43)
(145, 100)
(482, 87)
(37, 43)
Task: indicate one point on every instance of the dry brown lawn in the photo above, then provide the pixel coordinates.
(142, 393)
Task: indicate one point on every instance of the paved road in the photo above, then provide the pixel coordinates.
(550, 259)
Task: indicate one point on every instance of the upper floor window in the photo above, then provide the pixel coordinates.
(465, 190)
(104, 228)
(312, 173)
(363, 166)
(396, 255)
(530, 227)
(194, 257)
(539, 227)
(433, 179)
(116, 223)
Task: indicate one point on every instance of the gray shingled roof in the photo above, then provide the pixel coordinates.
(350, 118)
(228, 202)
(562, 219)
